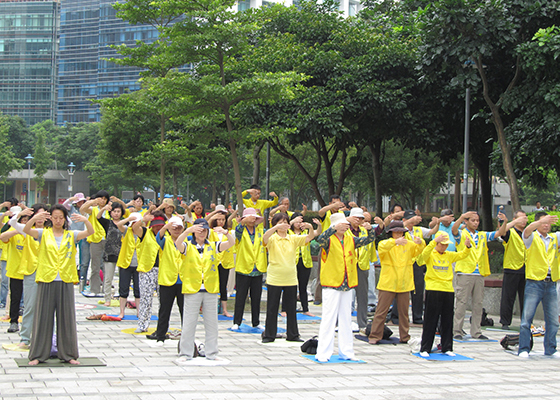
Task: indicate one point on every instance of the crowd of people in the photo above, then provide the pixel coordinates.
(187, 258)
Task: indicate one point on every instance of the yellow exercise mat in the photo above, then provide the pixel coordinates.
(114, 303)
(15, 347)
(6, 318)
(131, 331)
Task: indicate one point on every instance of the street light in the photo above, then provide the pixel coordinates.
(28, 158)
(71, 169)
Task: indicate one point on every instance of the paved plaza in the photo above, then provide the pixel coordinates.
(137, 369)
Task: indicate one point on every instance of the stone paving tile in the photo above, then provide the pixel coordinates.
(135, 370)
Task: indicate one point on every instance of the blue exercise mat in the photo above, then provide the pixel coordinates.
(443, 357)
(335, 359)
(303, 317)
(354, 313)
(88, 294)
(244, 328)
(224, 318)
(133, 317)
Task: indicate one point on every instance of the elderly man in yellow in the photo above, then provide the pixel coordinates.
(439, 292)
(256, 202)
(339, 275)
(396, 280)
(471, 271)
(201, 285)
(282, 275)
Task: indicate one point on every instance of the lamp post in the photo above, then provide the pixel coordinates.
(28, 158)
(466, 150)
(71, 169)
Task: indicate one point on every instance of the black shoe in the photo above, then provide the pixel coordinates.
(419, 322)
(153, 336)
(13, 327)
(298, 339)
(458, 337)
(505, 327)
(268, 340)
(482, 337)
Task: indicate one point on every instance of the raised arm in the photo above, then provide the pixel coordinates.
(457, 224)
(89, 227)
(311, 234)
(180, 241)
(230, 239)
(87, 206)
(503, 228)
(28, 228)
(273, 229)
(547, 219)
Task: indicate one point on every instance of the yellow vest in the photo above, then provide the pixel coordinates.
(539, 260)
(14, 248)
(365, 253)
(170, 261)
(53, 259)
(249, 253)
(439, 267)
(3, 248)
(128, 247)
(478, 255)
(226, 258)
(28, 263)
(514, 251)
(417, 233)
(396, 265)
(147, 251)
(99, 232)
(195, 267)
(340, 261)
(303, 251)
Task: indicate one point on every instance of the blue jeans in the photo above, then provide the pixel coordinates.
(536, 292)
(4, 285)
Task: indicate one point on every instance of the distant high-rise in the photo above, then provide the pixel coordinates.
(87, 28)
(28, 65)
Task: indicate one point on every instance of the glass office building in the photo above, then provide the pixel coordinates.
(87, 28)
(28, 50)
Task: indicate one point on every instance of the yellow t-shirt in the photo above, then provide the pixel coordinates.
(282, 269)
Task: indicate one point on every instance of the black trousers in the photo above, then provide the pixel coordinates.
(417, 294)
(223, 275)
(167, 294)
(125, 277)
(438, 304)
(289, 300)
(303, 275)
(244, 284)
(513, 284)
(16, 294)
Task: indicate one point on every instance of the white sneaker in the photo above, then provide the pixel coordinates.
(524, 354)
(140, 330)
(450, 354)
(424, 354)
(260, 327)
(235, 327)
(355, 327)
(555, 355)
(159, 343)
(322, 360)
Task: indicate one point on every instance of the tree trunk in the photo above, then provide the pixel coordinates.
(486, 194)
(257, 162)
(475, 189)
(375, 149)
(360, 198)
(457, 209)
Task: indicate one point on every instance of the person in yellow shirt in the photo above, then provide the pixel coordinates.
(255, 200)
(199, 275)
(128, 263)
(439, 292)
(282, 275)
(14, 244)
(396, 280)
(56, 275)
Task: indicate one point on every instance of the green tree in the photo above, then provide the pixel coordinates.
(459, 34)
(42, 160)
(8, 159)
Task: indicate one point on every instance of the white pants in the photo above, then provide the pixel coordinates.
(337, 305)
